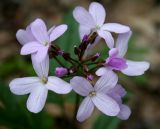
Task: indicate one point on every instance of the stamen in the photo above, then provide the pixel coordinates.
(93, 93)
(44, 80)
(45, 43)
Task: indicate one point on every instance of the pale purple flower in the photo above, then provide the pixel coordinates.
(60, 71)
(116, 60)
(93, 21)
(96, 96)
(117, 93)
(36, 39)
(38, 87)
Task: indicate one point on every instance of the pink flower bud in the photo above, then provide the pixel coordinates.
(60, 71)
(90, 77)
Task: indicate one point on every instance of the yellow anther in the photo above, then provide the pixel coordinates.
(44, 80)
(93, 93)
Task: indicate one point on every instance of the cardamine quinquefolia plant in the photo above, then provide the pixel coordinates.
(98, 85)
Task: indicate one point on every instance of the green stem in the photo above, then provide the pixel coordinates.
(76, 108)
(58, 61)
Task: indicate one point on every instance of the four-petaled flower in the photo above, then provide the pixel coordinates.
(38, 86)
(93, 21)
(96, 96)
(116, 60)
(36, 40)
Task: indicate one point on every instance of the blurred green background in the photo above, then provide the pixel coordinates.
(143, 16)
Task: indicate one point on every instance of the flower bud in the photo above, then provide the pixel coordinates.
(90, 77)
(95, 57)
(61, 71)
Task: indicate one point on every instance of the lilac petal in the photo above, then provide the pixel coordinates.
(57, 32)
(51, 29)
(98, 13)
(58, 85)
(107, 37)
(23, 37)
(85, 110)
(103, 70)
(122, 43)
(119, 90)
(22, 86)
(39, 31)
(41, 68)
(115, 27)
(117, 93)
(106, 104)
(113, 52)
(81, 85)
(124, 113)
(41, 54)
(106, 82)
(37, 99)
(116, 63)
(136, 68)
(83, 17)
(30, 48)
(83, 30)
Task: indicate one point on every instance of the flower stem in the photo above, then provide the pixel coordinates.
(76, 108)
(58, 61)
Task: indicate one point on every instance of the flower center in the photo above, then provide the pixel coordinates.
(45, 43)
(97, 27)
(44, 80)
(93, 93)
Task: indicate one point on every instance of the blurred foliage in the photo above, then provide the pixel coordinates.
(14, 115)
(16, 64)
(105, 122)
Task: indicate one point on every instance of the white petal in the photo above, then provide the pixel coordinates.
(98, 13)
(81, 85)
(136, 68)
(83, 17)
(124, 113)
(103, 70)
(106, 82)
(41, 68)
(23, 37)
(41, 54)
(83, 30)
(30, 48)
(57, 32)
(39, 31)
(106, 104)
(107, 37)
(37, 99)
(58, 85)
(115, 27)
(51, 29)
(122, 43)
(85, 110)
(21, 86)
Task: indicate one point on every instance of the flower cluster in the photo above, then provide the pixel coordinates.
(92, 77)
